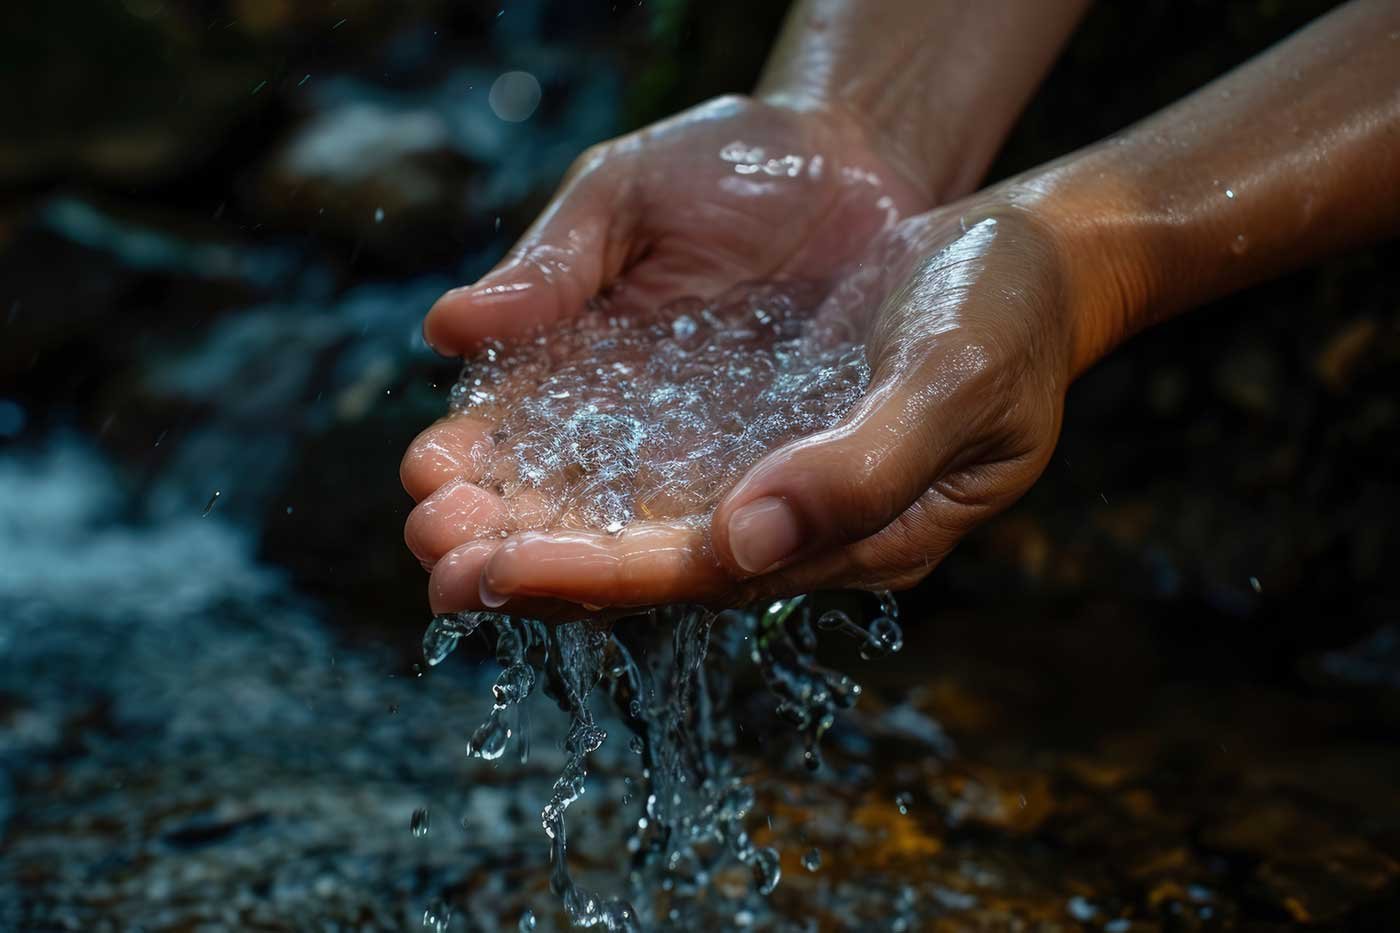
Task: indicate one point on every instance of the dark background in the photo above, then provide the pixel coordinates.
(199, 293)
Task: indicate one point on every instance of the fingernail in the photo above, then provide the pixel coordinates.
(763, 533)
(489, 597)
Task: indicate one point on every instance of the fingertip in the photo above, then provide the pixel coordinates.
(453, 586)
(501, 573)
(453, 448)
(452, 516)
(510, 301)
(763, 534)
(443, 330)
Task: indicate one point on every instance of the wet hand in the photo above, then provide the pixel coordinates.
(963, 314)
(731, 191)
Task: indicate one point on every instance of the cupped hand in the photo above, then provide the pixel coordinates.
(734, 190)
(730, 191)
(964, 313)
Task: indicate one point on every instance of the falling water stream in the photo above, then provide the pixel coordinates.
(679, 711)
(651, 415)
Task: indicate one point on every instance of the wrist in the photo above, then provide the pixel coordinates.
(873, 131)
(942, 157)
(1104, 246)
(937, 85)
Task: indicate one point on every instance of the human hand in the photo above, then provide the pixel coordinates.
(969, 351)
(734, 190)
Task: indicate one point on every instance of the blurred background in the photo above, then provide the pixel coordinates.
(1172, 672)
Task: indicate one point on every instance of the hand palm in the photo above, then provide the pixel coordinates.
(727, 192)
(689, 208)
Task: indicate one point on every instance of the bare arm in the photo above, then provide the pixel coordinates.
(939, 81)
(1290, 157)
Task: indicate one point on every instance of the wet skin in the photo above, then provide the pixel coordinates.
(976, 316)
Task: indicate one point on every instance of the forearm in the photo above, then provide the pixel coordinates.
(1292, 156)
(938, 82)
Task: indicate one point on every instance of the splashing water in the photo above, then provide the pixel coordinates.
(420, 823)
(642, 415)
(681, 713)
(655, 414)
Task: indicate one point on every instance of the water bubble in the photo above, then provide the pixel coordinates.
(812, 859)
(419, 824)
(514, 96)
(655, 418)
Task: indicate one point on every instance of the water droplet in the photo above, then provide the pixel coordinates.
(1080, 909)
(419, 824)
(379, 215)
(903, 800)
(1255, 585)
(527, 922)
(437, 917)
(812, 859)
(209, 506)
(1240, 244)
(767, 870)
(883, 638)
(1230, 193)
(637, 744)
(444, 631)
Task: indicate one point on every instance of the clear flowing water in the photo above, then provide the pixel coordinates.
(655, 413)
(626, 415)
(684, 724)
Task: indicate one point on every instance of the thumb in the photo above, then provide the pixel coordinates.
(572, 251)
(840, 485)
(916, 420)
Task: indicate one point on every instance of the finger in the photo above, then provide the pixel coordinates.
(457, 513)
(846, 483)
(453, 448)
(895, 557)
(648, 563)
(574, 250)
(456, 580)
